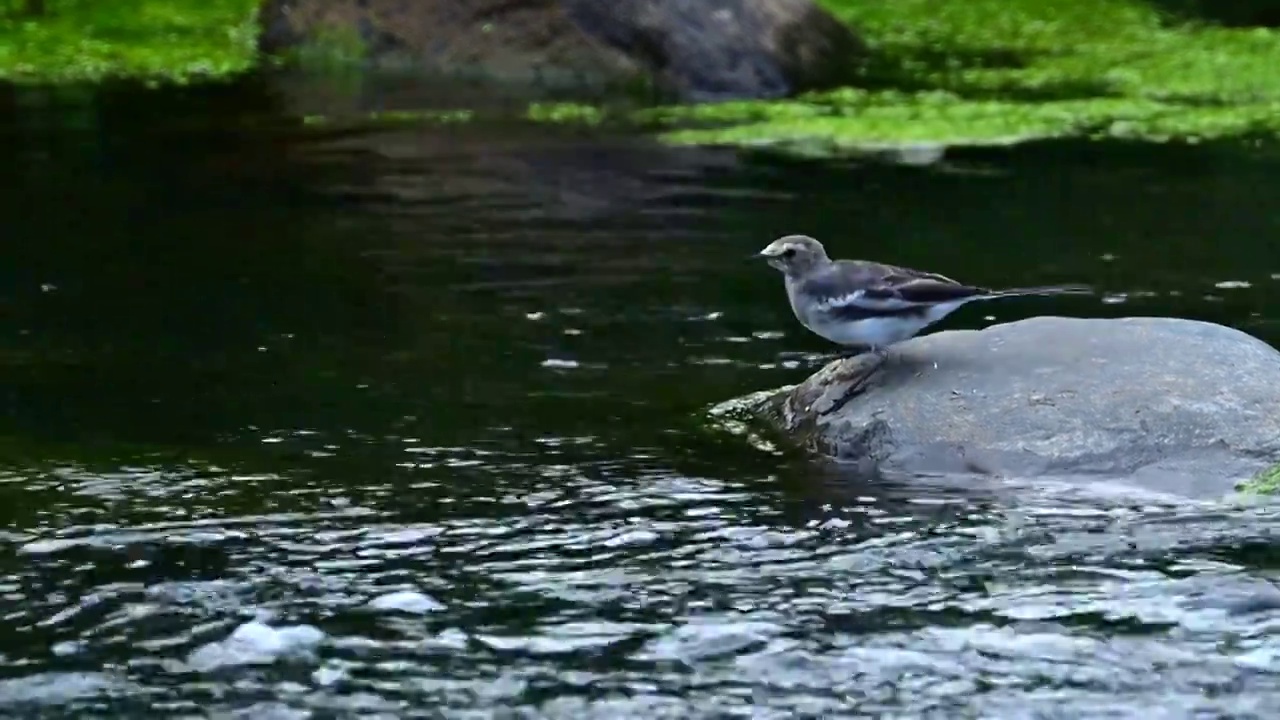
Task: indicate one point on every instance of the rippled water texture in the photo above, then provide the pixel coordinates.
(405, 422)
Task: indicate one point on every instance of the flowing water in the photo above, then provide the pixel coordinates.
(396, 422)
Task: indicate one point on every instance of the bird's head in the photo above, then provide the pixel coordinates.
(794, 254)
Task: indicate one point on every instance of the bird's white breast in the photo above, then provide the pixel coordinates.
(877, 331)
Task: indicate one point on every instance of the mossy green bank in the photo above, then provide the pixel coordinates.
(943, 72)
(1266, 482)
(983, 72)
(154, 40)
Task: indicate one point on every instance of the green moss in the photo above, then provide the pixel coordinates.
(998, 71)
(1091, 47)
(76, 40)
(400, 117)
(1001, 71)
(1266, 482)
(566, 113)
(846, 121)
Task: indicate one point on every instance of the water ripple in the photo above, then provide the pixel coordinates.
(581, 603)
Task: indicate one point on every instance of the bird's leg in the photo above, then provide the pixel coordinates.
(882, 353)
(879, 356)
(859, 382)
(844, 353)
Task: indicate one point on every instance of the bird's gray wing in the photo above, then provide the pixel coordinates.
(851, 290)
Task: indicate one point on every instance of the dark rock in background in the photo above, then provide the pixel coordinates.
(691, 49)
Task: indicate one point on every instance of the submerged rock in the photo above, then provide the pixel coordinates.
(1179, 406)
(696, 49)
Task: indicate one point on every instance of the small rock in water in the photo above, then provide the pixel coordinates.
(407, 601)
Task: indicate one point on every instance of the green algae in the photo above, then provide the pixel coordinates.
(1266, 482)
(994, 72)
(746, 418)
(1084, 48)
(987, 72)
(396, 117)
(154, 40)
(566, 113)
(851, 121)
(547, 113)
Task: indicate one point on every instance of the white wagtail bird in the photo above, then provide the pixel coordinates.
(866, 305)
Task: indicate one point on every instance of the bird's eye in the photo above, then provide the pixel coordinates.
(789, 253)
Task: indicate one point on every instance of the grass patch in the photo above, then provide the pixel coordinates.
(90, 40)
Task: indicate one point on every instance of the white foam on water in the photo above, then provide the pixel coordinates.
(407, 601)
(58, 688)
(256, 643)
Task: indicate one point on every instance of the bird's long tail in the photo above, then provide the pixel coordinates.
(1043, 290)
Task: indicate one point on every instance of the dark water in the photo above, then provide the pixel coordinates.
(406, 422)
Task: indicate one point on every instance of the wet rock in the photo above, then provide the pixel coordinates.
(1177, 406)
(695, 49)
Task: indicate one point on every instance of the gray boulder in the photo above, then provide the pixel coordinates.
(693, 49)
(1177, 406)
